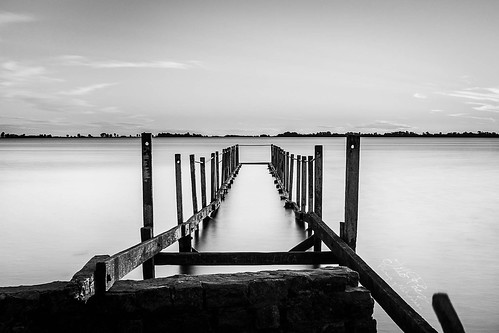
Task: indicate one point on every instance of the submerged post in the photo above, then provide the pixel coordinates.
(318, 190)
(298, 180)
(217, 173)
(212, 178)
(352, 190)
(310, 183)
(303, 184)
(184, 243)
(291, 166)
(203, 182)
(146, 232)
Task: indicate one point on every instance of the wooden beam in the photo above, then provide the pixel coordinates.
(147, 232)
(446, 314)
(304, 245)
(245, 258)
(192, 164)
(401, 313)
(203, 182)
(352, 189)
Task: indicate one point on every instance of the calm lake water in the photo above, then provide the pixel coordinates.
(428, 215)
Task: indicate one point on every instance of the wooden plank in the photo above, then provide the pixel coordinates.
(352, 189)
(185, 242)
(304, 245)
(291, 170)
(213, 177)
(148, 269)
(318, 166)
(193, 184)
(298, 180)
(245, 258)
(446, 314)
(303, 204)
(217, 173)
(117, 266)
(401, 313)
(203, 182)
(310, 183)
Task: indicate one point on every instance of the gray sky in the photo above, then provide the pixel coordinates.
(248, 67)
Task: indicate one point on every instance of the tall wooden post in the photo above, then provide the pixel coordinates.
(213, 177)
(303, 184)
(310, 183)
(148, 270)
(291, 167)
(184, 243)
(298, 180)
(318, 190)
(217, 173)
(286, 172)
(352, 190)
(203, 182)
(193, 184)
(237, 155)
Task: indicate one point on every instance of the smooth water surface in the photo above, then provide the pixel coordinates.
(427, 217)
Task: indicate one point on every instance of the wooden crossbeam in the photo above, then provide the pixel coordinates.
(401, 313)
(245, 258)
(304, 245)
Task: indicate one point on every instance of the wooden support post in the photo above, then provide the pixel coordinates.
(286, 172)
(446, 314)
(217, 166)
(291, 166)
(303, 205)
(298, 180)
(352, 189)
(318, 163)
(185, 242)
(203, 182)
(213, 178)
(310, 183)
(148, 271)
(237, 155)
(193, 184)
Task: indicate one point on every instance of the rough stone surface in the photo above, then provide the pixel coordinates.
(319, 300)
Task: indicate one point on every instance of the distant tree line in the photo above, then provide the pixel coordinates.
(479, 134)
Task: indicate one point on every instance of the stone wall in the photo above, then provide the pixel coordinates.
(320, 300)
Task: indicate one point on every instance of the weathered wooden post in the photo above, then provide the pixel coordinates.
(291, 167)
(298, 180)
(146, 232)
(193, 184)
(304, 184)
(318, 190)
(286, 172)
(203, 182)
(217, 166)
(446, 314)
(237, 155)
(184, 243)
(213, 178)
(351, 190)
(310, 183)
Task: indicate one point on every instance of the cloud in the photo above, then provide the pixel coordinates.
(420, 96)
(484, 106)
(436, 110)
(13, 73)
(384, 125)
(468, 116)
(9, 18)
(88, 89)
(476, 93)
(75, 60)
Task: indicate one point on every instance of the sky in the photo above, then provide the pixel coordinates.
(248, 67)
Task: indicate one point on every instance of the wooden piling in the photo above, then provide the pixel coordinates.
(318, 166)
(146, 232)
(446, 314)
(217, 173)
(203, 182)
(352, 189)
(291, 167)
(213, 178)
(310, 183)
(193, 184)
(303, 205)
(298, 180)
(184, 243)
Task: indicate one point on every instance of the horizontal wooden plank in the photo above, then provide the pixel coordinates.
(401, 313)
(245, 258)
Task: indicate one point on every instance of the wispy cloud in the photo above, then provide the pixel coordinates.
(13, 73)
(86, 90)
(75, 60)
(476, 93)
(384, 125)
(420, 96)
(469, 116)
(9, 18)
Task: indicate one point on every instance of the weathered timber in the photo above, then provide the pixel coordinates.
(147, 198)
(446, 314)
(298, 180)
(352, 189)
(400, 312)
(217, 172)
(291, 169)
(305, 244)
(184, 243)
(193, 184)
(310, 183)
(303, 205)
(318, 166)
(213, 178)
(82, 284)
(245, 258)
(117, 266)
(203, 182)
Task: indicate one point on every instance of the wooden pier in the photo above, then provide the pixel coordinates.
(299, 180)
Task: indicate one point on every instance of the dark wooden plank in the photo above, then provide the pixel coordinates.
(213, 177)
(245, 258)
(318, 166)
(185, 241)
(304, 245)
(298, 180)
(401, 313)
(117, 266)
(446, 314)
(291, 171)
(203, 182)
(352, 189)
(146, 141)
(303, 205)
(311, 183)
